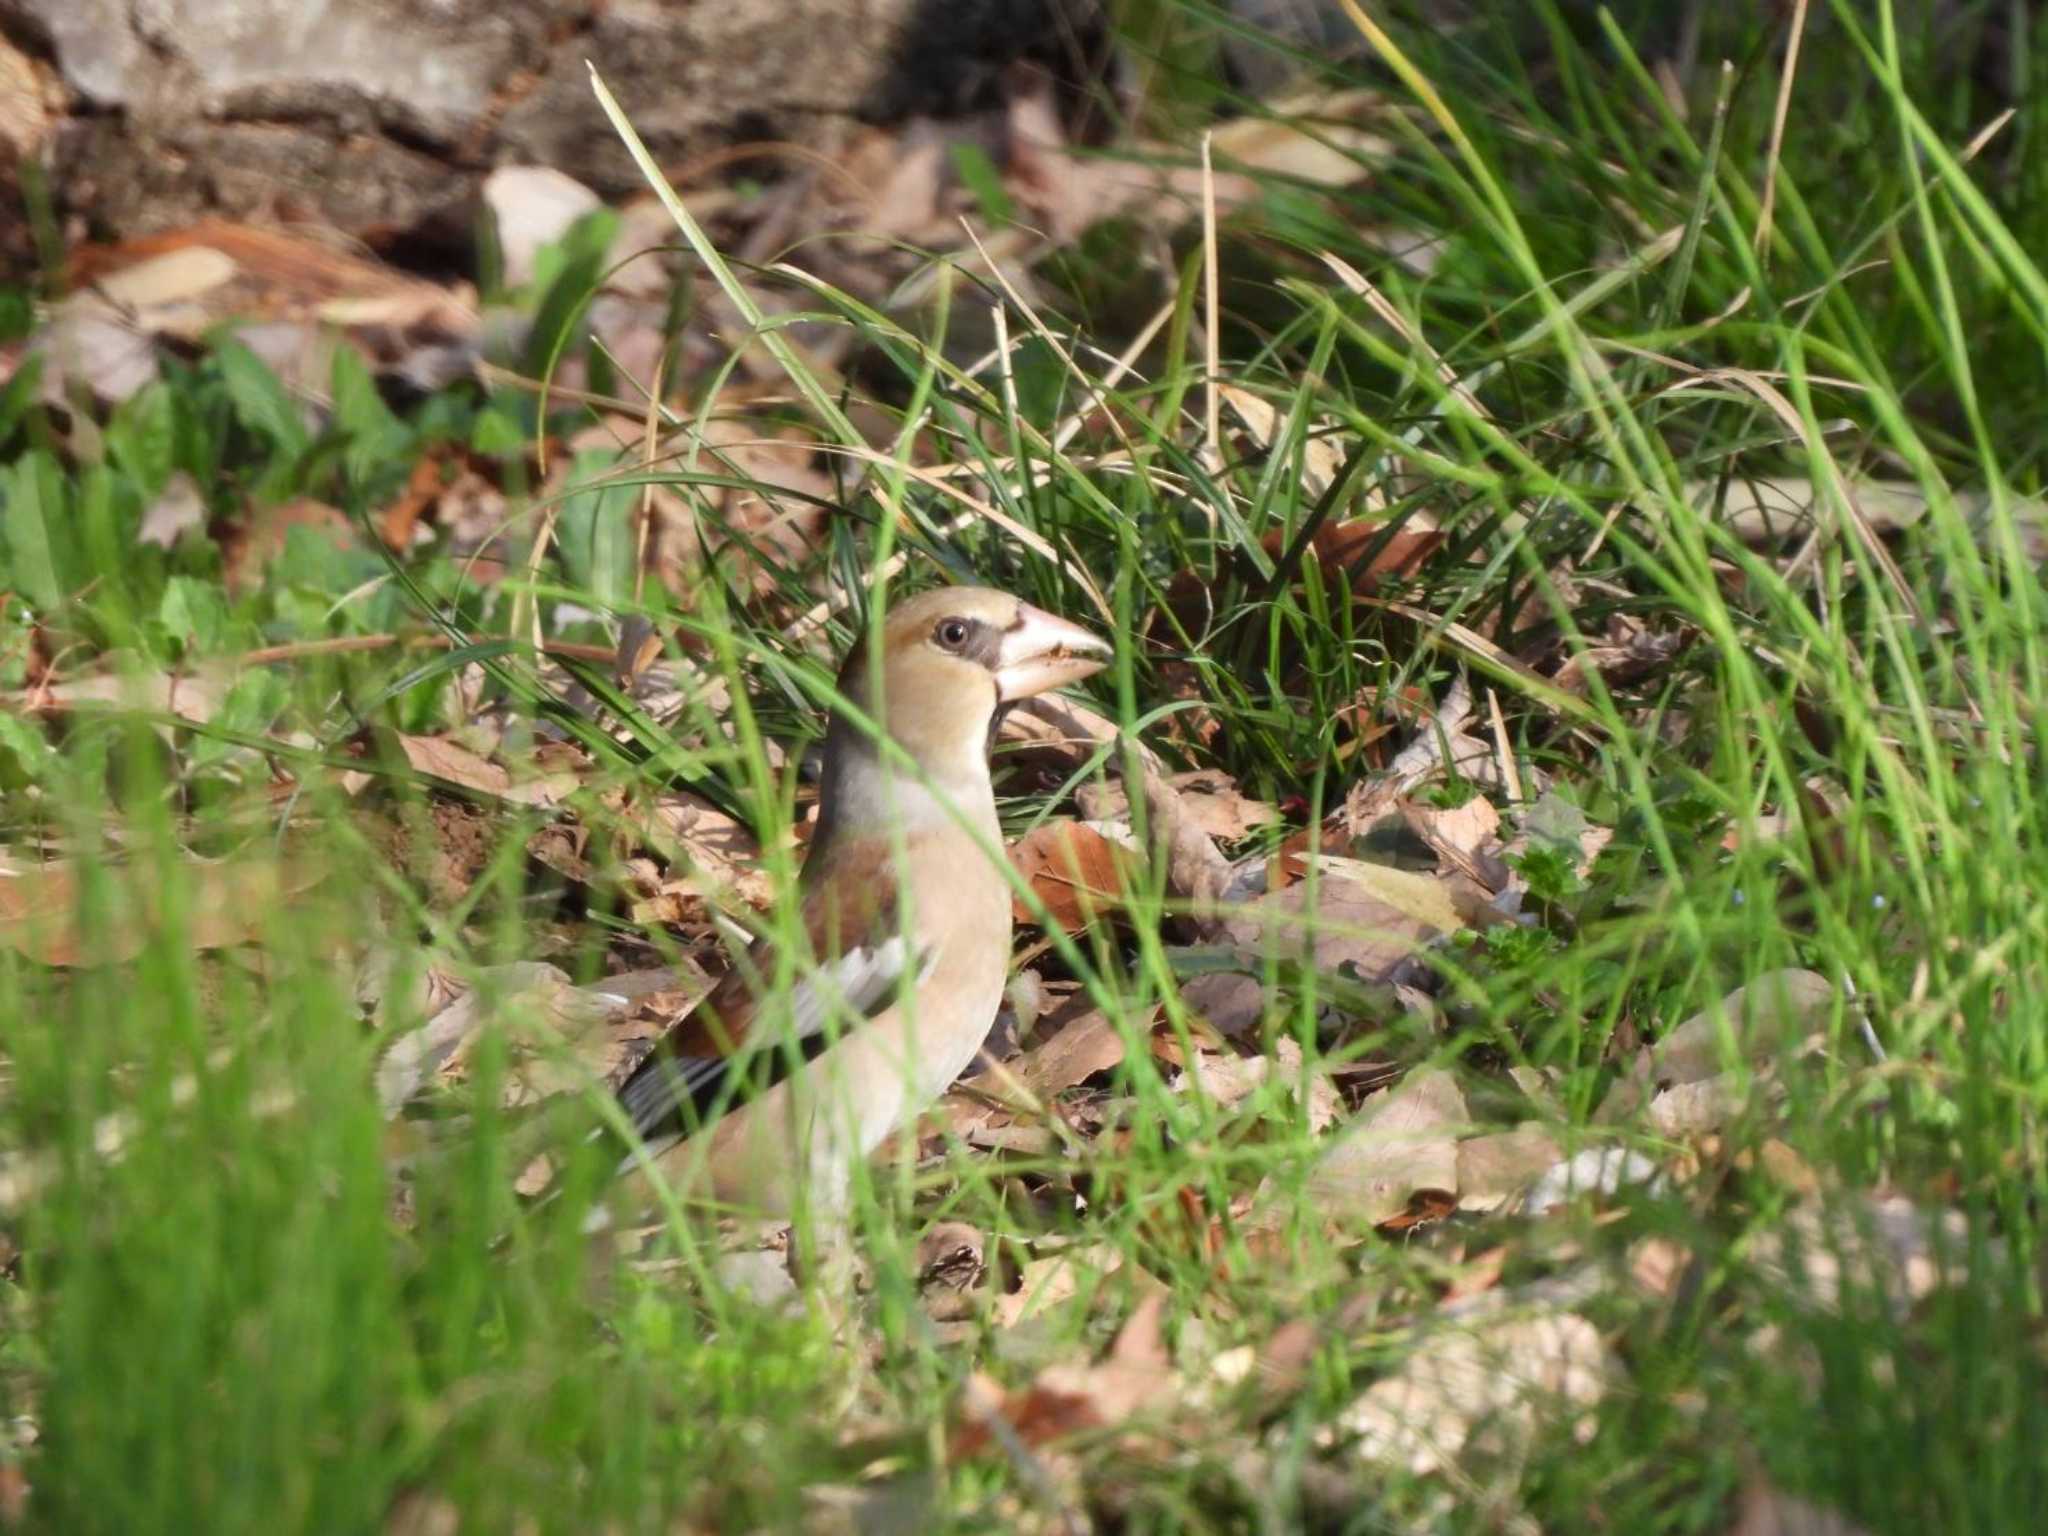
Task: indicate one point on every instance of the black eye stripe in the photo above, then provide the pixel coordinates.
(970, 639)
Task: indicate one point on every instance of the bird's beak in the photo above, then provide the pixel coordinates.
(1040, 653)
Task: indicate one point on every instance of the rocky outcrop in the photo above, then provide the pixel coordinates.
(380, 116)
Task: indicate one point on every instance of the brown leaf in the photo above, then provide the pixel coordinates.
(1195, 872)
(179, 509)
(32, 102)
(1209, 797)
(1089, 1045)
(1403, 1142)
(1313, 138)
(1043, 1284)
(1658, 1265)
(14, 1483)
(1061, 728)
(398, 520)
(183, 282)
(562, 1038)
(1768, 1015)
(1440, 743)
(248, 550)
(1465, 838)
(223, 903)
(1076, 871)
(1770, 508)
(195, 694)
(1232, 1002)
(445, 759)
(1426, 899)
(1067, 1400)
(708, 853)
(1493, 1169)
(1230, 1079)
(1342, 926)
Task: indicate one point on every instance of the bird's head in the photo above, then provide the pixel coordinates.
(950, 658)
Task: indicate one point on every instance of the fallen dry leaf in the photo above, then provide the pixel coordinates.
(533, 206)
(561, 1037)
(1402, 1143)
(1493, 1170)
(195, 693)
(1196, 873)
(1233, 1003)
(441, 758)
(1066, 1400)
(1211, 801)
(1043, 1284)
(1264, 427)
(1687, 1111)
(1344, 925)
(1425, 898)
(1077, 872)
(1440, 743)
(1658, 1265)
(1465, 839)
(1770, 1015)
(291, 294)
(1075, 1053)
(1466, 1394)
(179, 509)
(32, 103)
(1768, 508)
(220, 903)
(1230, 1079)
(709, 853)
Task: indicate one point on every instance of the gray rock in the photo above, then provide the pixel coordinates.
(382, 116)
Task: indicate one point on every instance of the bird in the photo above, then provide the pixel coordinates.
(765, 1098)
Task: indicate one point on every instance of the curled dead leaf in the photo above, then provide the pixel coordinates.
(1401, 1144)
(1211, 801)
(1077, 872)
(1065, 1400)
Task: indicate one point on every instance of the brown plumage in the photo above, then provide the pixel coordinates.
(906, 920)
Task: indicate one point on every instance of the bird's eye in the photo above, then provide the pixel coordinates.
(951, 633)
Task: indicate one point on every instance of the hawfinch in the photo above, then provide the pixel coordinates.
(905, 915)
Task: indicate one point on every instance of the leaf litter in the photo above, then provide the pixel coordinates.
(1474, 1388)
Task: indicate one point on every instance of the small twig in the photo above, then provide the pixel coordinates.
(1784, 108)
(300, 650)
(1212, 406)
(1510, 774)
(648, 459)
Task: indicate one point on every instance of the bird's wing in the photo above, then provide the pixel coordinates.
(858, 958)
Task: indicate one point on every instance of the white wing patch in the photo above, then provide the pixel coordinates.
(856, 985)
